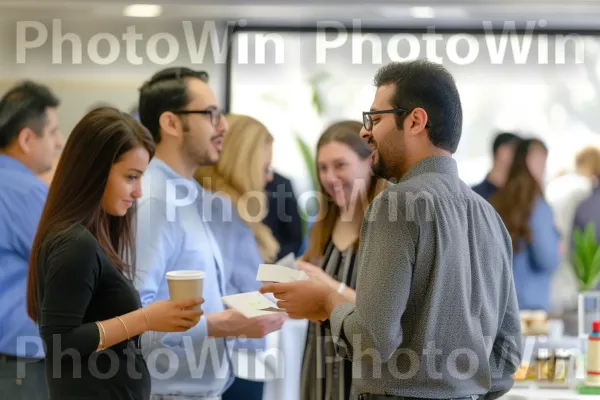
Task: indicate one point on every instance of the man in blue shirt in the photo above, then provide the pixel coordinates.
(29, 142)
(182, 114)
(502, 151)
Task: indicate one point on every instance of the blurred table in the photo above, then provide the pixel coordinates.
(288, 345)
(546, 394)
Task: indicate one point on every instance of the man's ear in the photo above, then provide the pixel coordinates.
(169, 124)
(25, 139)
(417, 120)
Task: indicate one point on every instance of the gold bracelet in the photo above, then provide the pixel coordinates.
(125, 326)
(101, 342)
(146, 316)
(102, 332)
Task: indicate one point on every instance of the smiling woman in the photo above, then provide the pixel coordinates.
(124, 184)
(79, 284)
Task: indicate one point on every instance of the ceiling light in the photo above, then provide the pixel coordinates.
(422, 12)
(142, 10)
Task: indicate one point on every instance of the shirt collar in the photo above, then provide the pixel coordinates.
(435, 164)
(9, 162)
(170, 173)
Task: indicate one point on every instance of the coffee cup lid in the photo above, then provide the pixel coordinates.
(184, 275)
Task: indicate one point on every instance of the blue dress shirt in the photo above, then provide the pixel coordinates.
(172, 235)
(22, 199)
(535, 263)
(241, 258)
(241, 255)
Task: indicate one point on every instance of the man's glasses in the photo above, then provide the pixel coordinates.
(368, 116)
(215, 115)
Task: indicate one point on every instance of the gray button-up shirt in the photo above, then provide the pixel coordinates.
(436, 313)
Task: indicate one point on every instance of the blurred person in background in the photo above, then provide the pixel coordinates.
(48, 175)
(283, 216)
(502, 153)
(530, 222)
(183, 115)
(344, 170)
(29, 142)
(588, 210)
(241, 174)
(81, 268)
(564, 194)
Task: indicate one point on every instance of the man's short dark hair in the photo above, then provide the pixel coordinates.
(503, 138)
(24, 106)
(430, 86)
(165, 91)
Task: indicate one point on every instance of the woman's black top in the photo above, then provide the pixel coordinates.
(77, 286)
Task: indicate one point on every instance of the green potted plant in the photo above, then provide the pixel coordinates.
(586, 266)
(586, 257)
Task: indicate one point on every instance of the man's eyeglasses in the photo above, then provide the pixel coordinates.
(368, 116)
(215, 115)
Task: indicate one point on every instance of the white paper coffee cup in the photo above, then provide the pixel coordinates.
(185, 285)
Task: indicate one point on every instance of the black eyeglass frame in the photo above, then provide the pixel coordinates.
(368, 119)
(215, 114)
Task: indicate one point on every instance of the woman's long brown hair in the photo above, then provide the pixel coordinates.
(75, 195)
(348, 133)
(514, 201)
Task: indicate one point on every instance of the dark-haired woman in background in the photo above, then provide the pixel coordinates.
(79, 285)
(529, 220)
(344, 170)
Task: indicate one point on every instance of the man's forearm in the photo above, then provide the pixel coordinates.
(221, 324)
(333, 300)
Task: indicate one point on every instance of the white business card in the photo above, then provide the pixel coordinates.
(288, 261)
(277, 273)
(251, 304)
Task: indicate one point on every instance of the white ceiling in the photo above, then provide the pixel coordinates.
(578, 14)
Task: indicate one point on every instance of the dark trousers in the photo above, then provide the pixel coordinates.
(22, 379)
(243, 389)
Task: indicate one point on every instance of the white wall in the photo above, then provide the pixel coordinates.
(518, 89)
(82, 79)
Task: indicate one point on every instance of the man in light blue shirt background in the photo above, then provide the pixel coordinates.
(29, 142)
(182, 114)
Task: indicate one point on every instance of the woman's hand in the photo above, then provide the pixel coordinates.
(173, 316)
(318, 273)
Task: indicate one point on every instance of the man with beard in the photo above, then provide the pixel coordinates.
(182, 113)
(436, 314)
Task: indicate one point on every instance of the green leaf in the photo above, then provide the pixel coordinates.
(316, 96)
(317, 102)
(579, 268)
(595, 268)
(586, 256)
(308, 160)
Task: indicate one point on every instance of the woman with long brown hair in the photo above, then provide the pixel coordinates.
(344, 166)
(529, 220)
(80, 289)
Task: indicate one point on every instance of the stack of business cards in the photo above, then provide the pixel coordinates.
(255, 304)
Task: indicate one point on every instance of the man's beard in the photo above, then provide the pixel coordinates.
(193, 151)
(379, 168)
